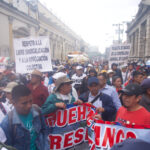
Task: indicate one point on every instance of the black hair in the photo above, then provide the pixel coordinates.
(20, 91)
(136, 73)
(104, 74)
(113, 64)
(93, 70)
(115, 78)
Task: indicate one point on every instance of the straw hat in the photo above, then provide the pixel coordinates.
(37, 73)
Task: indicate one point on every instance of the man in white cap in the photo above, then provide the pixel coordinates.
(77, 78)
(38, 90)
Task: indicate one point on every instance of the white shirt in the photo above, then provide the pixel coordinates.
(77, 80)
(46, 81)
(97, 103)
(124, 76)
(8, 107)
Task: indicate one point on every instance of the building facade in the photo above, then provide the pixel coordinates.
(138, 33)
(22, 18)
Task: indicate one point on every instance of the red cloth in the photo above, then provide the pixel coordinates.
(139, 117)
(39, 94)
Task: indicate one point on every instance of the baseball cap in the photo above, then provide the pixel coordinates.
(10, 86)
(110, 71)
(92, 80)
(90, 65)
(58, 75)
(79, 67)
(145, 84)
(132, 89)
(132, 144)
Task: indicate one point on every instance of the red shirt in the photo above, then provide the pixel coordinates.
(138, 117)
(39, 94)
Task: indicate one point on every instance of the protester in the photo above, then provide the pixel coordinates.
(38, 90)
(84, 85)
(25, 127)
(137, 77)
(129, 72)
(124, 72)
(116, 82)
(117, 71)
(105, 67)
(72, 70)
(56, 76)
(101, 101)
(61, 97)
(77, 78)
(131, 107)
(89, 67)
(108, 90)
(110, 76)
(6, 106)
(145, 101)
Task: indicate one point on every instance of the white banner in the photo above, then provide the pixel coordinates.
(104, 136)
(119, 54)
(32, 53)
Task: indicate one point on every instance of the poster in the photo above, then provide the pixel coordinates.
(32, 53)
(119, 54)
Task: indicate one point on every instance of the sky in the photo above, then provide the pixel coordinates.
(93, 20)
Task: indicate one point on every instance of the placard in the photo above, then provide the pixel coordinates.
(32, 53)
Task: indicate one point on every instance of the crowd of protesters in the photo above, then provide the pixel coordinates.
(119, 93)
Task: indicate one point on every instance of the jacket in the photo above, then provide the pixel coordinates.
(145, 102)
(39, 94)
(49, 105)
(19, 137)
(107, 104)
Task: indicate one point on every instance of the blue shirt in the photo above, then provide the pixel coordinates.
(113, 94)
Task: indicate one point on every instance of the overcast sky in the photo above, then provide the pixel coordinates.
(93, 19)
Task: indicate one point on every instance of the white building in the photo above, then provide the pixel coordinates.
(22, 18)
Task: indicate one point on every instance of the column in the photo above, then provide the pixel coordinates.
(139, 35)
(147, 49)
(12, 56)
(142, 40)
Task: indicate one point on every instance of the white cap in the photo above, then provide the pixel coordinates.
(58, 75)
(79, 67)
(90, 65)
(110, 71)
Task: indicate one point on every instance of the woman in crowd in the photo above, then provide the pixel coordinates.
(117, 83)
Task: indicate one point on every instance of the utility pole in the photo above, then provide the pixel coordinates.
(119, 31)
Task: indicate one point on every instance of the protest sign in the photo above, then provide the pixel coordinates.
(32, 53)
(67, 128)
(103, 135)
(119, 54)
